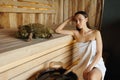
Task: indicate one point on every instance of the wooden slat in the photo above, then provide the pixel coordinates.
(66, 12)
(70, 9)
(61, 11)
(26, 18)
(45, 3)
(57, 11)
(13, 20)
(10, 44)
(62, 58)
(41, 18)
(26, 75)
(45, 18)
(30, 50)
(16, 6)
(23, 4)
(4, 20)
(23, 10)
(39, 1)
(61, 53)
(19, 19)
(75, 6)
(36, 18)
(92, 12)
(53, 19)
(32, 18)
(49, 19)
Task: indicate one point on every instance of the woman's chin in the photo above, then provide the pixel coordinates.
(80, 28)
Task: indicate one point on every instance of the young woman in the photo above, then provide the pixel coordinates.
(89, 47)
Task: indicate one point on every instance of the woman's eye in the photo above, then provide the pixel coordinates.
(75, 20)
(80, 19)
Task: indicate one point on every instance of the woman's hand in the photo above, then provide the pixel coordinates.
(86, 71)
(60, 29)
(69, 19)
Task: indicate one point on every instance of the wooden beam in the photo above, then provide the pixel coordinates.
(16, 6)
(23, 4)
(22, 10)
(39, 1)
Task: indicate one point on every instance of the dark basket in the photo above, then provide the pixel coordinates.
(56, 74)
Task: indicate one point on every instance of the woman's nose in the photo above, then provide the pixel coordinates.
(78, 22)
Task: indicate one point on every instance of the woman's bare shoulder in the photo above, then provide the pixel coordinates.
(97, 34)
(96, 31)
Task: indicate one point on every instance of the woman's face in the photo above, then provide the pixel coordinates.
(80, 20)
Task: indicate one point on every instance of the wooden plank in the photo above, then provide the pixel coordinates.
(45, 19)
(61, 11)
(24, 7)
(65, 59)
(13, 20)
(32, 18)
(33, 72)
(37, 18)
(92, 12)
(26, 18)
(19, 19)
(41, 18)
(8, 44)
(4, 20)
(66, 4)
(53, 19)
(39, 1)
(99, 14)
(23, 10)
(57, 12)
(50, 3)
(70, 10)
(49, 19)
(23, 4)
(79, 5)
(61, 53)
(30, 50)
(75, 6)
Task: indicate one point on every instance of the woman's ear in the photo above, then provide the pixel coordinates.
(86, 19)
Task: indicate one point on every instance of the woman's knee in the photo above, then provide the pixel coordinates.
(94, 75)
(91, 76)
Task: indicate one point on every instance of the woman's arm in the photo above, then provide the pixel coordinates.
(99, 47)
(98, 53)
(98, 50)
(60, 29)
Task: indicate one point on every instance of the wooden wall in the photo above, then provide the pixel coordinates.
(45, 11)
(19, 12)
(48, 12)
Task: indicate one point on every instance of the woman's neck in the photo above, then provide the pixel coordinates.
(85, 30)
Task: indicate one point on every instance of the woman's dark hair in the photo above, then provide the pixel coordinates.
(85, 15)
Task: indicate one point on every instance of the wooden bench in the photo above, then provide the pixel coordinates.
(19, 60)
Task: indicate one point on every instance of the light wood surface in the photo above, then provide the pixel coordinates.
(19, 60)
(51, 11)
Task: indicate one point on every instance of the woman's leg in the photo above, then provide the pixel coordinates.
(95, 74)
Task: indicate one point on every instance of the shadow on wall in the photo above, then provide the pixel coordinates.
(111, 48)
